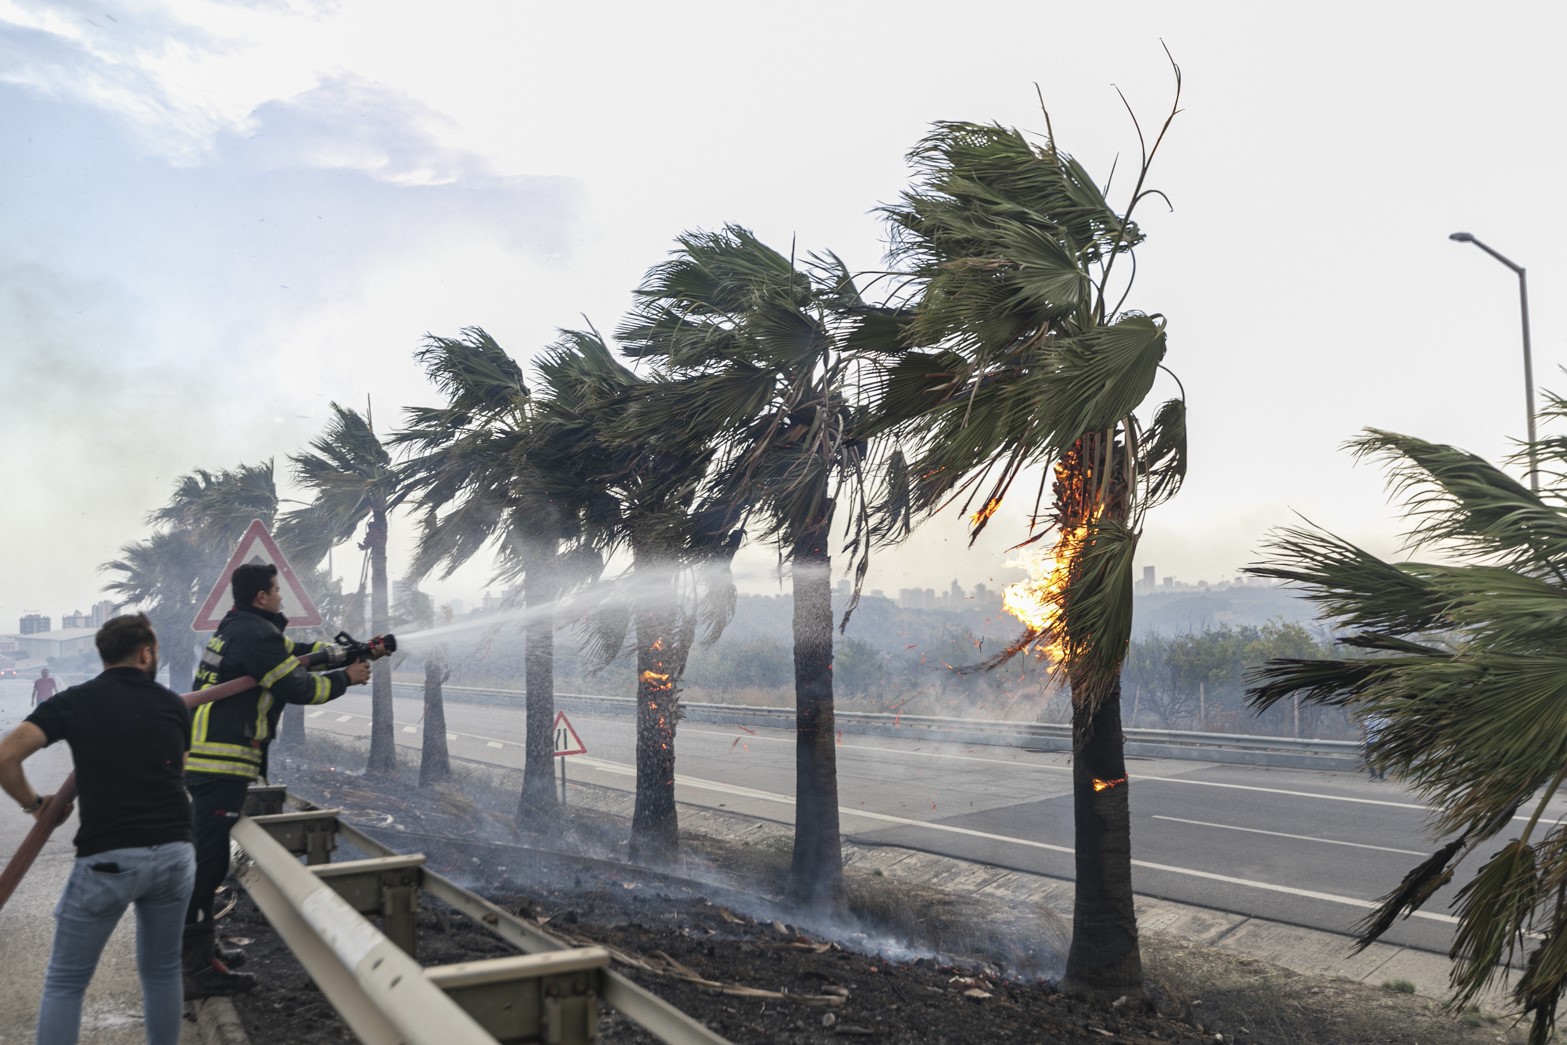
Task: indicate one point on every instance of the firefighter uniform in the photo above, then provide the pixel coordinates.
(229, 740)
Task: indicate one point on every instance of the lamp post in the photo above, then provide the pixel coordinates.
(1528, 363)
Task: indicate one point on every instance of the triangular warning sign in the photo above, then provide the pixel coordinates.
(257, 545)
(566, 740)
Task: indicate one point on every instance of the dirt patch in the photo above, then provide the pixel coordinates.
(911, 963)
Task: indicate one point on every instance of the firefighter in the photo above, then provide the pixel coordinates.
(229, 740)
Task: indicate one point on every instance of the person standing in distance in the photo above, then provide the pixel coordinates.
(228, 752)
(135, 846)
(44, 687)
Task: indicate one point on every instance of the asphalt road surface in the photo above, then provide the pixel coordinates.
(1296, 846)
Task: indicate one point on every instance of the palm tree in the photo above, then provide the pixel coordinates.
(193, 534)
(1464, 660)
(217, 507)
(482, 477)
(1025, 359)
(164, 577)
(640, 494)
(351, 477)
(752, 356)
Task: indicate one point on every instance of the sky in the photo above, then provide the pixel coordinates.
(219, 217)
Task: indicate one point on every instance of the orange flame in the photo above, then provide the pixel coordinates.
(986, 512)
(1105, 785)
(655, 679)
(1038, 600)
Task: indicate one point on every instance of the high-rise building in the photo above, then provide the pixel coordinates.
(33, 623)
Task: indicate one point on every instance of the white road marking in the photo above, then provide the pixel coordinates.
(1281, 834)
(1053, 768)
(1050, 767)
(495, 743)
(450, 737)
(887, 818)
(345, 718)
(316, 714)
(410, 729)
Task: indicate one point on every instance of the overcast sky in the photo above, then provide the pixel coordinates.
(218, 217)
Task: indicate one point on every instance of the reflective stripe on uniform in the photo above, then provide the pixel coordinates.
(263, 707)
(220, 767)
(323, 691)
(278, 672)
(242, 752)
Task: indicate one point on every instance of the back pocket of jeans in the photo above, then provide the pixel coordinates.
(103, 892)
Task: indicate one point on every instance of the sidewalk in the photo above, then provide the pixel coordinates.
(112, 1012)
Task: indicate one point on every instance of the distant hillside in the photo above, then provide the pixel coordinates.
(1195, 610)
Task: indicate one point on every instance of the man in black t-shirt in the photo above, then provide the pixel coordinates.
(135, 845)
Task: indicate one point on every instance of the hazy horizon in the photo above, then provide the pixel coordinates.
(226, 215)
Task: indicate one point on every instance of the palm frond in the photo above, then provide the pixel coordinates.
(1458, 498)
(1352, 586)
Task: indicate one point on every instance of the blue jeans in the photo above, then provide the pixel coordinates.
(158, 880)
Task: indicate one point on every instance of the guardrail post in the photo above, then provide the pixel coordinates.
(550, 997)
(387, 885)
(312, 833)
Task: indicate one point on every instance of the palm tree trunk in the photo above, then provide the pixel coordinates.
(435, 763)
(537, 806)
(655, 824)
(816, 873)
(383, 742)
(1104, 960)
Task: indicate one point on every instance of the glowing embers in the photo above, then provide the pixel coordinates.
(1105, 785)
(656, 681)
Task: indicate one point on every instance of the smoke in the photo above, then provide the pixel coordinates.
(468, 829)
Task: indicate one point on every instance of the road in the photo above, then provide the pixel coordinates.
(1295, 846)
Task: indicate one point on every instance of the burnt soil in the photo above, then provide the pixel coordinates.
(909, 964)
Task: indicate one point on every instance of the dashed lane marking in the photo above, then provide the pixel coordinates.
(888, 818)
(1282, 834)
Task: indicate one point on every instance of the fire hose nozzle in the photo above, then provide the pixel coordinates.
(345, 649)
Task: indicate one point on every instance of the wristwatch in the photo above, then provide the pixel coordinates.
(38, 803)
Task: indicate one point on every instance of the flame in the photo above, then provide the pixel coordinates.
(1105, 785)
(655, 679)
(1038, 600)
(986, 512)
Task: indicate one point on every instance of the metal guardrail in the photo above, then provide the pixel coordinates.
(550, 993)
(1231, 748)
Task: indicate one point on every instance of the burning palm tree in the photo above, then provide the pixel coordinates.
(1027, 359)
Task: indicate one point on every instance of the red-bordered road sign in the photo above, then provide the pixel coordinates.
(566, 740)
(257, 545)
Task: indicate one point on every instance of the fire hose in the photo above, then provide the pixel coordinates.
(342, 651)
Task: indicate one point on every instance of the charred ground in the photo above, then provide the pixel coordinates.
(912, 964)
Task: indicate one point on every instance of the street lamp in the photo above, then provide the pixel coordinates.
(1528, 364)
